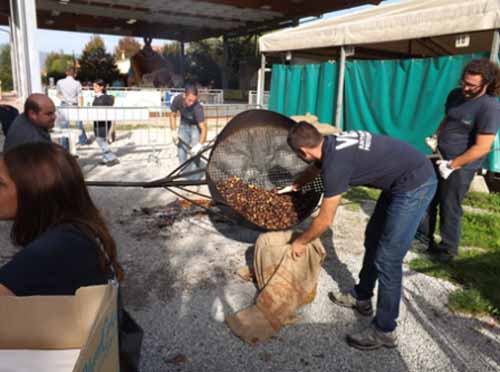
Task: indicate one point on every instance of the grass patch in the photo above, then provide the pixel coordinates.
(478, 272)
(489, 202)
(361, 193)
(471, 301)
(481, 230)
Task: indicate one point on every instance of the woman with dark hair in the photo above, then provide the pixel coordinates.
(66, 244)
(102, 128)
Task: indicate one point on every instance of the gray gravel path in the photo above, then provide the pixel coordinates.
(180, 284)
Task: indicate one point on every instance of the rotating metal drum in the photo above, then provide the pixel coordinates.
(248, 160)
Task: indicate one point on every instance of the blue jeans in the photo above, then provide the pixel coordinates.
(388, 237)
(82, 138)
(190, 134)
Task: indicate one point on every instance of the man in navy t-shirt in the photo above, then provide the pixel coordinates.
(465, 137)
(407, 180)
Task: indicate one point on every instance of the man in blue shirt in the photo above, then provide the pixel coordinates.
(465, 137)
(407, 180)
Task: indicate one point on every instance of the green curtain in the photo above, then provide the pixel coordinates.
(401, 98)
(301, 89)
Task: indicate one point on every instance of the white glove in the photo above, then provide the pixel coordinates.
(196, 149)
(432, 142)
(175, 137)
(445, 168)
(287, 189)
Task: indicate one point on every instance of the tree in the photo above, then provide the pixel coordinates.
(57, 63)
(96, 63)
(203, 60)
(128, 46)
(5, 67)
(171, 52)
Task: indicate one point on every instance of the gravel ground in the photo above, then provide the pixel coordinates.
(180, 284)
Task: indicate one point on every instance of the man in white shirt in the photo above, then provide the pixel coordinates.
(68, 90)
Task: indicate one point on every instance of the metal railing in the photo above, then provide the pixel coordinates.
(152, 123)
(252, 98)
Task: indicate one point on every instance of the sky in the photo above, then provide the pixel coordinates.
(73, 42)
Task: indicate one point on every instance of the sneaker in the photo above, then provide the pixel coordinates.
(372, 338)
(439, 254)
(112, 162)
(347, 299)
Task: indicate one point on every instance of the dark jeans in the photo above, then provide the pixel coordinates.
(449, 197)
(388, 236)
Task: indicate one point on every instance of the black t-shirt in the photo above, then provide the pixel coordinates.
(466, 118)
(58, 262)
(192, 115)
(361, 158)
(101, 128)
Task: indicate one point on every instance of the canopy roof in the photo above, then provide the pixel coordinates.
(388, 28)
(184, 20)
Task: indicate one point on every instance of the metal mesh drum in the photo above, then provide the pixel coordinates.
(252, 155)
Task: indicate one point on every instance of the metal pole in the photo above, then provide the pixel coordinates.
(224, 63)
(261, 81)
(13, 57)
(340, 90)
(494, 46)
(182, 60)
(25, 25)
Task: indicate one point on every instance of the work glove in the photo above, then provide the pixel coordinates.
(432, 142)
(196, 149)
(445, 168)
(175, 137)
(287, 189)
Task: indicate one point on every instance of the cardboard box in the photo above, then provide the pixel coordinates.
(60, 333)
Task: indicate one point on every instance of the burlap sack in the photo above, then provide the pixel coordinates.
(285, 285)
(325, 129)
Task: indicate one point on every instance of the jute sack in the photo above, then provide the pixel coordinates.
(325, 129)
(285, 285)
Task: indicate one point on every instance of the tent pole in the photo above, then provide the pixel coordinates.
(25, 24)
(13, 56)
(261, 81)
(494, 47)
(340, 90)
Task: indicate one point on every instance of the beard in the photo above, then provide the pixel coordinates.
(472, 94)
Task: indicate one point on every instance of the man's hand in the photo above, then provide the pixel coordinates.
(175, 137)
(292, 188)
(196, 149)
(445, 168)
(432, 142)
(298, 250)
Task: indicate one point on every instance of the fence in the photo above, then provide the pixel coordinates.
(144, 97)
(252, 98)
(148, 127)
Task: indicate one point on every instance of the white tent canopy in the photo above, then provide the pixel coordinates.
(410, 19)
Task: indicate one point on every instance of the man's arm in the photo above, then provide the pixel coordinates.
(58, 91)
(173, 120)
(203, 131)
(476, 151)
(4, 291)
(319, 225)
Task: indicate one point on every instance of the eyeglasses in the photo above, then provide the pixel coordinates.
(469, 85)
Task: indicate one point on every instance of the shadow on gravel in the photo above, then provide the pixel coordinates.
(339, 271)
(453, 335)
